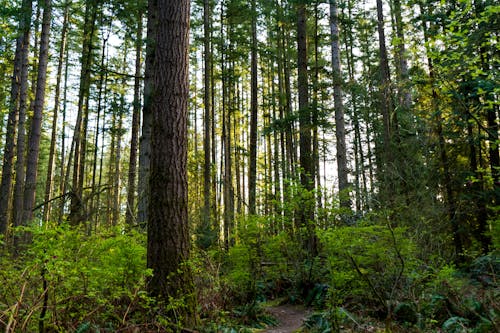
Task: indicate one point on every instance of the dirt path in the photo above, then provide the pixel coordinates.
(290, 317)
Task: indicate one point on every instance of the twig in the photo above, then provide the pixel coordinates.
(367, 279)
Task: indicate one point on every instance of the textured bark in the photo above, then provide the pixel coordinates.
(342, 169)
(36, 122)
(22, 46)
(207, 100)
(385, 103)
(17, 205)
(306, 211)
(168, 95)
(147, 122)
(252, 172)
(134, 141)
(53, 138)
(306, 162)
(101, 87)
(402, 63)
(79, 136)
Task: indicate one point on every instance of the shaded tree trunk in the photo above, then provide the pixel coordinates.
(21, 53)
(134, 141)
(167, 99)
(36, 123)
(79, 136)
(306, 211)
(53, 138)
(342, 169)
(252, 172)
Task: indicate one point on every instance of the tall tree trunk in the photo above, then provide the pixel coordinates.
(168, 96)
(306, 211)
(252, 172)
(101, 85)
(385, 108)
(132, 171)
(62, 172)
(18, 200)
(53, 138)
(342, 169)
(143, 190)
(207, 119)
(36, 123)
(443, 155)
(21, 53)
(402, 62)
(79, 136)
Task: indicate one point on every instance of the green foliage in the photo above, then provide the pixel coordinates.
(455, 325)
(367, 262)
(90, 281)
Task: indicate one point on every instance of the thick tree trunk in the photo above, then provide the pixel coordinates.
(167, 98)
(21, 53)
(306, 211)
(17, 205)
(36, 122)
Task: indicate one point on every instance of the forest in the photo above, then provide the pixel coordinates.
(229, 165)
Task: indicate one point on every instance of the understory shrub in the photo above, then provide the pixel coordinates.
(70, 281)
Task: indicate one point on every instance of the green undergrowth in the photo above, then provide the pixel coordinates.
(68, 281)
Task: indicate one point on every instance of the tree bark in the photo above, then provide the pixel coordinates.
(36, 122)
(306, 211)
(53, 138)
(17, 205)
(79, 136)
(167, 98)
(21, 53)
(252, 172)
(342, 168)
(134, 141)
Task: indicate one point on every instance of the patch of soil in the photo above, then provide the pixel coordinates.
(290, 318)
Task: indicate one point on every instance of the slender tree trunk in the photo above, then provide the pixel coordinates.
(79, 136)
(168, 96)
(134, 141)
(385, 102)
(386, 109)
(62, 171)
(147, 123)
(101, 83)
(207, 120)
(252, 172)
(21, 53)
(36, 123)
(342, 169)
(117, 162)
(53, 139)
(402, 63)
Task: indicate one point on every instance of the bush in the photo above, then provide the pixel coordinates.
(70, 281)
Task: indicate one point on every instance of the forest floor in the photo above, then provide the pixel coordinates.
(290, 318)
